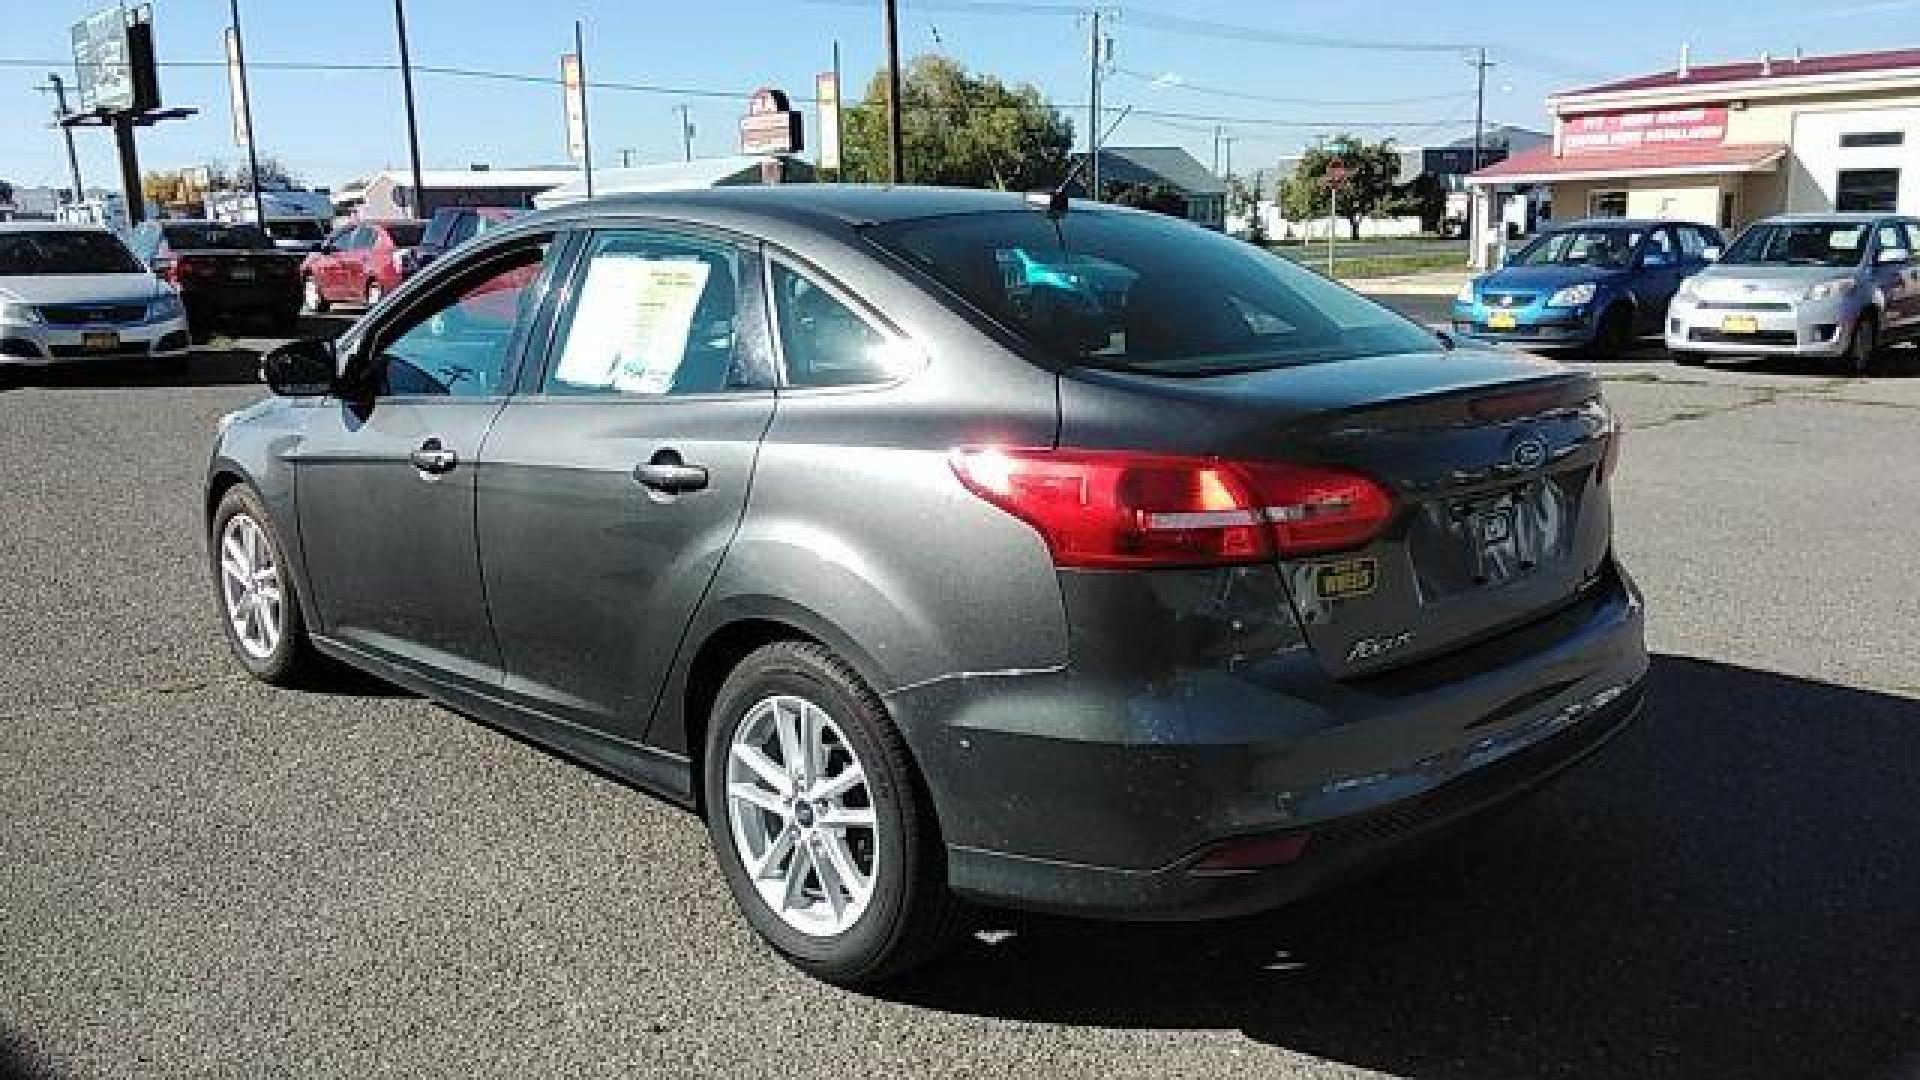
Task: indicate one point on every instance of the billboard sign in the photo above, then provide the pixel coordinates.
(1607, 133)
(575, 89)
(103, 61)
(770, 126)
(826, 89)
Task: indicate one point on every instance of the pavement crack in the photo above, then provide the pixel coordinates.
(1686, 416)
(170, 687)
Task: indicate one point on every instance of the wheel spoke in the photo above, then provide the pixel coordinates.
(234, 573)
(236, 554)
(840, 857)
(787, 720)
(770, 774)
(842, 782)
(831, 884)
(796, 877)
(812, 742)
(848, 817)
(768, 865)
(755, 795)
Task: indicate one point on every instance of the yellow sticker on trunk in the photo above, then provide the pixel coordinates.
(1346, 579)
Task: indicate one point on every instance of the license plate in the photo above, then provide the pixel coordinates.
(242, 272)
(99, 340)
(1501, 320)
(1739, 324)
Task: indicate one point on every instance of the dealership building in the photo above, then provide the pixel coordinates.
(1722, 143)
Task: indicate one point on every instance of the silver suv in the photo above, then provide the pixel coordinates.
(1835, 286)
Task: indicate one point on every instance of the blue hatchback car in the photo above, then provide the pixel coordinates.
(1599, 283)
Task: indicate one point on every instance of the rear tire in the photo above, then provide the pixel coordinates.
(265, 627)
(756, 803)
(1614, 334)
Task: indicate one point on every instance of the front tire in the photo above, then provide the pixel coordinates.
(822, 828)
(1614, 333)
(1863, 346)
(254, 590)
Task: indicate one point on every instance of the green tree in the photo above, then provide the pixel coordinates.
(1369, 188)
(959, 129)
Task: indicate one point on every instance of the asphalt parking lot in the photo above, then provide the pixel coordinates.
(201, 876)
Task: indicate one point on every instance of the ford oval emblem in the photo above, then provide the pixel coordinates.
(1529, 453)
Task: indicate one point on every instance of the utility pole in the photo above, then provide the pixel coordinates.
(686, 130)
(1093, 106)
(418, 203)
(59, 90)
(586, 127)
(896, 168)
(1228, 141)
(246, 120)
(1480, 65)
(1216, 149)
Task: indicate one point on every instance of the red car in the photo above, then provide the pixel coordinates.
(359, 264)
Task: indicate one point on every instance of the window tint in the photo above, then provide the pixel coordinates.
(1659, 249)
(1608, 247)
(653, 314)
(824, 342)
(1799, 243)
(64, 251)
(457, 343)
(1890, 236)
(1692, 242)
(1147, 293)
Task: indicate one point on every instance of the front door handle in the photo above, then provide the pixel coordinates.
(434, 458)
(669, 475)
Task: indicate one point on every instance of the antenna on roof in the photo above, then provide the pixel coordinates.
(1685, 68)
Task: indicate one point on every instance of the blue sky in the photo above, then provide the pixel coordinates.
(332, 126)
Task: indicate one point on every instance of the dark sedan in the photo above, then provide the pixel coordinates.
(944, 546)
(229, 274)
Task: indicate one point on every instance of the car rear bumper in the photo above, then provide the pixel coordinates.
(42, 345)
(1803, 329)
(1087, 794)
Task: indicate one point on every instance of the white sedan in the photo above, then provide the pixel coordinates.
(72, 293)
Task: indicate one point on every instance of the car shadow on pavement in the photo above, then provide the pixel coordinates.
(1897, 362)
(1727, 890)
(19, 1062)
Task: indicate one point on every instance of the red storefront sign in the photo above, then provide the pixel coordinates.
(1603, 132)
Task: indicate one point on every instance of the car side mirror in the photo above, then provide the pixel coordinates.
(1893, 255)
(305, 368)
(1711, 254)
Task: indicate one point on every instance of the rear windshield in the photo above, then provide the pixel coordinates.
(215, 235)
(1800, 243)
(1609, 248)
(25, 254)
(305, 231)
(1142, 292)
(405, 233)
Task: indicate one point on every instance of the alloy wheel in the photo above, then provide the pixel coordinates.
(250, 586)
(802, 816)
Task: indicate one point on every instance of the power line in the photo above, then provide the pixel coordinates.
(1241, 95)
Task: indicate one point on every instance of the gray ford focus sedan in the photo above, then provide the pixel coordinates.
(947, 547)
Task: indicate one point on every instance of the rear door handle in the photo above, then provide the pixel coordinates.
(669, 475)
(434, 458)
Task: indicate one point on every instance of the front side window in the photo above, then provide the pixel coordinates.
(824, 341)
(1659, 250)
(1891, 237)
(654, 314)
(458, 343)
(1610, 248)
(53, 251)
(1143, 292)
(1800, 243)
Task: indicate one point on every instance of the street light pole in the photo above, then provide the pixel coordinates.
(417, 203)
(246, 119)
(896, 167)
(1093, 107)
(60, 111)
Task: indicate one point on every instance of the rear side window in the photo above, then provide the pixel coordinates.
(824, 342)
(653, 314)
(1143, 292)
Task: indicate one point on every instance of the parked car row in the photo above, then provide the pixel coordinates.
(365, 261)
(1834, 287)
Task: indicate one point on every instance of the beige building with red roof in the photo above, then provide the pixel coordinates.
(1726, 144)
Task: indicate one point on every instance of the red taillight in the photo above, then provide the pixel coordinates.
(1250, 854)
(167, 270)
(1115, 510)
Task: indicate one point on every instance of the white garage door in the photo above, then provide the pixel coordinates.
(1863, 159)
